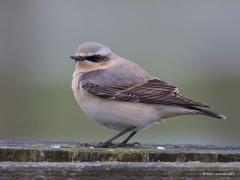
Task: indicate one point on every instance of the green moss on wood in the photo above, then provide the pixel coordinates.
(73, 152)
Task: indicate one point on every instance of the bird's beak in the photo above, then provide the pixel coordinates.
(77, 58)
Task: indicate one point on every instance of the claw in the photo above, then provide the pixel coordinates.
(85, 144)
(135, 144)
(104, 145)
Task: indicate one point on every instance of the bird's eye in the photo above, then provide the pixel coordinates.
(95, 58)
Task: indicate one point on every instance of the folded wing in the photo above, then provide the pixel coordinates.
(153, 91)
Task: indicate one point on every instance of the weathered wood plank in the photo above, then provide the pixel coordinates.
(71, 160)
(76, 152)
(119, 170)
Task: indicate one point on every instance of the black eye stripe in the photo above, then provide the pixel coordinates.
(95, 58)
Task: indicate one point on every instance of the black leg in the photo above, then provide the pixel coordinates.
(130, 128)
(128, 138)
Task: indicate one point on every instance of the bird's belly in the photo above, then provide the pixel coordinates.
(117, 115)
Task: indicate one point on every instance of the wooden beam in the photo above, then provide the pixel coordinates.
(21, 159)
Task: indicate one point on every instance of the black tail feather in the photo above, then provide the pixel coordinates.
(207, 112)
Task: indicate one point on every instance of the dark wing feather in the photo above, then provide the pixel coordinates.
(153, 91)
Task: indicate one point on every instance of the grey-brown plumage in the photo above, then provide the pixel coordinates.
(154, 91)
(121, 95)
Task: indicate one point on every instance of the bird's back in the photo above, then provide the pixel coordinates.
(123, 72)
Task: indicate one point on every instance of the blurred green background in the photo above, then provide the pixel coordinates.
(192, 44)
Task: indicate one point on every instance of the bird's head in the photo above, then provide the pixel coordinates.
(92, 56)
(92, 52)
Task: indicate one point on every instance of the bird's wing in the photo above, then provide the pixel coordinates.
(153, 91)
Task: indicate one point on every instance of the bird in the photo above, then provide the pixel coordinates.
(120, 95)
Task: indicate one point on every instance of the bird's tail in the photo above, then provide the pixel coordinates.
(207, 112)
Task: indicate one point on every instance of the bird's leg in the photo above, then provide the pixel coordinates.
(107, 143)
(128, 138)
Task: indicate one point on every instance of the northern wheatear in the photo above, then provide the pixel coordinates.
(121, 95)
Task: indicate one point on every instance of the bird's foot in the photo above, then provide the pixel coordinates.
(86, 145)
(104, 145)
(134, 144)
(111, 145)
